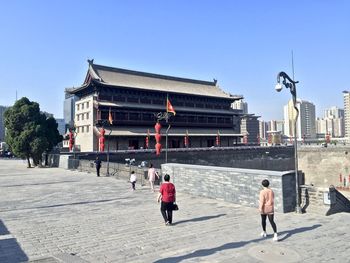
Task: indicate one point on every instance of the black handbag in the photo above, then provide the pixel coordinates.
(175, 207)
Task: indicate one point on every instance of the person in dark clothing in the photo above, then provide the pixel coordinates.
(98, 166)
(167, 194)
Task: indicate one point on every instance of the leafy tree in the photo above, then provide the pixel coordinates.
(29, 132)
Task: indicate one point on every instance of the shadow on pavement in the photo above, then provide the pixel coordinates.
(203, 218)
(69, 204)
(3, 229)
(296, 231)
(207, 252)
(210, 251)
(17, 185)
(10, 251)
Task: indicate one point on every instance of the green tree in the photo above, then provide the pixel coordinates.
(29, 133)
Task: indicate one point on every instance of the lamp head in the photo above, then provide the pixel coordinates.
(278, 87)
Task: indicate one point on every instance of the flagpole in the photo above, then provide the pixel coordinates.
(166, 133)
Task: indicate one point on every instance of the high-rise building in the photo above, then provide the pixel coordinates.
(61, 126)
(333, 113)
(280, 126)
(69, 109)
(240, 105)
(332, 123)
(263, 128)
(306, 123)
(250, 128)
(346, 96)
(274, 125)
(2, 125)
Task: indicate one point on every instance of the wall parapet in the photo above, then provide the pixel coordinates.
(235, 185)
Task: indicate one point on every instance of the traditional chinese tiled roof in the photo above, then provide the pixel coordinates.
(148, 81)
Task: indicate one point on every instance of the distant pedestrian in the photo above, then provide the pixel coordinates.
(133, 180)
(266, 208)
(167, 196)
(98, 166)
(152, 174)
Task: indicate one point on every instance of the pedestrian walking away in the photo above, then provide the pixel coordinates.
(266, 208)
(167, 197)
(152, 174)
(133, 180)
(98, 165)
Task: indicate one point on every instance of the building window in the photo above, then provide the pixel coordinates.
(133, 144)
(82, 129)
(82, 117)
(78, 107)
(82, 106)
(211, 120)
(175, 144)
(133, 116)
(87, 115)
(147, 117)
(77, 117)
(210, 142)
(87, 104)
(87, 128)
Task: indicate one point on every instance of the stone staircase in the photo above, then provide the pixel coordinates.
(341, 204)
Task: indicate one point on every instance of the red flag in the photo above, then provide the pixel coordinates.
(169, 107)
(110, 119)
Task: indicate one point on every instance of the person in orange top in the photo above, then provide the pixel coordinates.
(266, 208)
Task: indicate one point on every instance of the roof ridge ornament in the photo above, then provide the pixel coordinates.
(93, 73)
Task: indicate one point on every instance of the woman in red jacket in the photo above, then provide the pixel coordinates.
(167, 194)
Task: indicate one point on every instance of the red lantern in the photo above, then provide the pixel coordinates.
(102, 140)
(147, 142)
(217, 139)
(186, 141)
(328, 138)
(245, 139)
(158, 137)
(71, 140)
(158, 148)
(157, 127)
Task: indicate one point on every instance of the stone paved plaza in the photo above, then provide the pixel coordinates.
(55, 215)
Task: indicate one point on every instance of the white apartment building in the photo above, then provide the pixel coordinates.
(263, 128)
(346, 96)
(240, 105)
(306, 123)
(332, 123)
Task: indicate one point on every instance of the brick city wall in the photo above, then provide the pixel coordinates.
(239, 186)
(323, 166)
(276, 158)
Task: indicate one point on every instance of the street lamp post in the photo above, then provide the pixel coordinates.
(290, 84)
(164, 116)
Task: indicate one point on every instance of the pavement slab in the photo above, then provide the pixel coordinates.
(56, 215)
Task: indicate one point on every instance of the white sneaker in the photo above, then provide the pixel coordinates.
(263, 234)
(275, 237)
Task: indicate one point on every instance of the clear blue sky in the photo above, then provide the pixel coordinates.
(244, 44)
